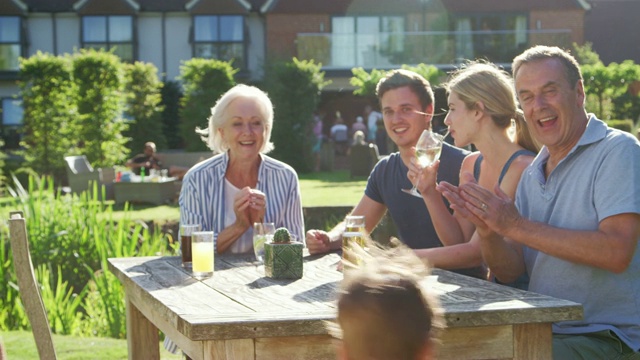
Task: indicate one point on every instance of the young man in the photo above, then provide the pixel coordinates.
(575, 223)
(407, 106)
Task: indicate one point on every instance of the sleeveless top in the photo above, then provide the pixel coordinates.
(505, 168)
(523, 281)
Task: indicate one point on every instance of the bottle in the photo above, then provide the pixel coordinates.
(142, 174)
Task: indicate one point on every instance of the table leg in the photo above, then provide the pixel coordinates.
(142, 336)
(532, 341)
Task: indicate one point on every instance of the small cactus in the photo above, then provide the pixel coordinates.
(282, 236)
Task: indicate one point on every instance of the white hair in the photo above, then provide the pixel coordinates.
(211, 136)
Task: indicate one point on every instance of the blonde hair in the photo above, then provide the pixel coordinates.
(384, 310)
(480, 82)
(211, 136)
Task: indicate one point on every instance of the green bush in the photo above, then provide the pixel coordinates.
(624, 125)
(204, 81)
(143, 106)
(294, 88)
(98, 76)
(71, 238)
(171, 95)
(50, 117)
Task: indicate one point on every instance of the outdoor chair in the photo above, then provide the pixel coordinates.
(29, 289)
(362, 159)
(82, 175)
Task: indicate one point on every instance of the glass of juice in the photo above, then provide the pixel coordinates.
(202, 252)
(186, 233)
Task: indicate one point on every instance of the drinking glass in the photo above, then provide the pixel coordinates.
(355, 223)
(428, 149)
(186, 233)
(202, 250)
(262, 232)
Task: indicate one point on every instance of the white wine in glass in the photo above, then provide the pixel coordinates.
(428, 149)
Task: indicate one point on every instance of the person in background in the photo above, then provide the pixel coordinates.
(373, 117)
(318, 137)
(384, 312)
(406, 100)
(241, 185)
(359, 126)
(575, 222)
(340, 135)
(482, 107)
(148, 159)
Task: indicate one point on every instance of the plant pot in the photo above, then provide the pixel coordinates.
(283, 261)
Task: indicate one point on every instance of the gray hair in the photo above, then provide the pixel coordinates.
(541, 52)
(211, 136)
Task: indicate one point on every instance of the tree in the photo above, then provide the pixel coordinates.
(204, 81)
(98, 76)
(143, 106)
(171, 95)
(294, 88)
(50, 118)
(366, 83)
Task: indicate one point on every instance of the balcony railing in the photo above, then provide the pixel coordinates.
(439, 48)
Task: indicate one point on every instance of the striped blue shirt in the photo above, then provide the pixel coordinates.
(202, 199)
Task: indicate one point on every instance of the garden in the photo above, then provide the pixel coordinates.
(92, 104)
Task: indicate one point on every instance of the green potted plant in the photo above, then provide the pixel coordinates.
(283, 256)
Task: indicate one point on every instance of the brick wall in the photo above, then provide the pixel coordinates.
(283, 28)
(564, 19)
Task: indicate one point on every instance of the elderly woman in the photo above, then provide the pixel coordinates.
(229, 192)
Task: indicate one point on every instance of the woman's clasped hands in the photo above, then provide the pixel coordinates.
(249, 206)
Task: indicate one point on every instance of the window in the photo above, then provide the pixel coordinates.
(10, 46)
(368, 41)
(11, 122)
(107, 32)
(493, 37)
(219, 37)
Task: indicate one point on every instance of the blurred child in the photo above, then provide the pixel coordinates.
(384, 312)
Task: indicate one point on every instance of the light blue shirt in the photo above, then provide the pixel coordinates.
(599, 178)
(202, 199)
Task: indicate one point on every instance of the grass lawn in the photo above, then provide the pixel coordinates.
(19, 345)
(318, 189)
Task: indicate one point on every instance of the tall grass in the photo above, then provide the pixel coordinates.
(71, 238)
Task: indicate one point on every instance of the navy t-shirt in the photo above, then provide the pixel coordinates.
(408, 212)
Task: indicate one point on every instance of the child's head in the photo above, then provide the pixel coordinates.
(383, 310)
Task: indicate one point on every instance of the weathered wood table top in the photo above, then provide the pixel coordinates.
(239, 302)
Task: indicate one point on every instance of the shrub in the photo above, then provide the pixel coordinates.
(98, 76)
(74, 235)
(171, 95)
(624, 125)
(204, 81)
(143, 106)
(49, 116)
(294, 88)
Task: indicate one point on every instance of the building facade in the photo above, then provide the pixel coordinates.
(340, 34)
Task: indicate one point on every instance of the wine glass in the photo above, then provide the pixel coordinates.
(428, 150)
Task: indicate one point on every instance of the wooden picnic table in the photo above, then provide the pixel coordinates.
(240, 314)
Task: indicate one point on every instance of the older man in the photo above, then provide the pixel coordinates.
(575, 223)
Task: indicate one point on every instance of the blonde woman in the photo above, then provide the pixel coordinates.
(482, 110)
